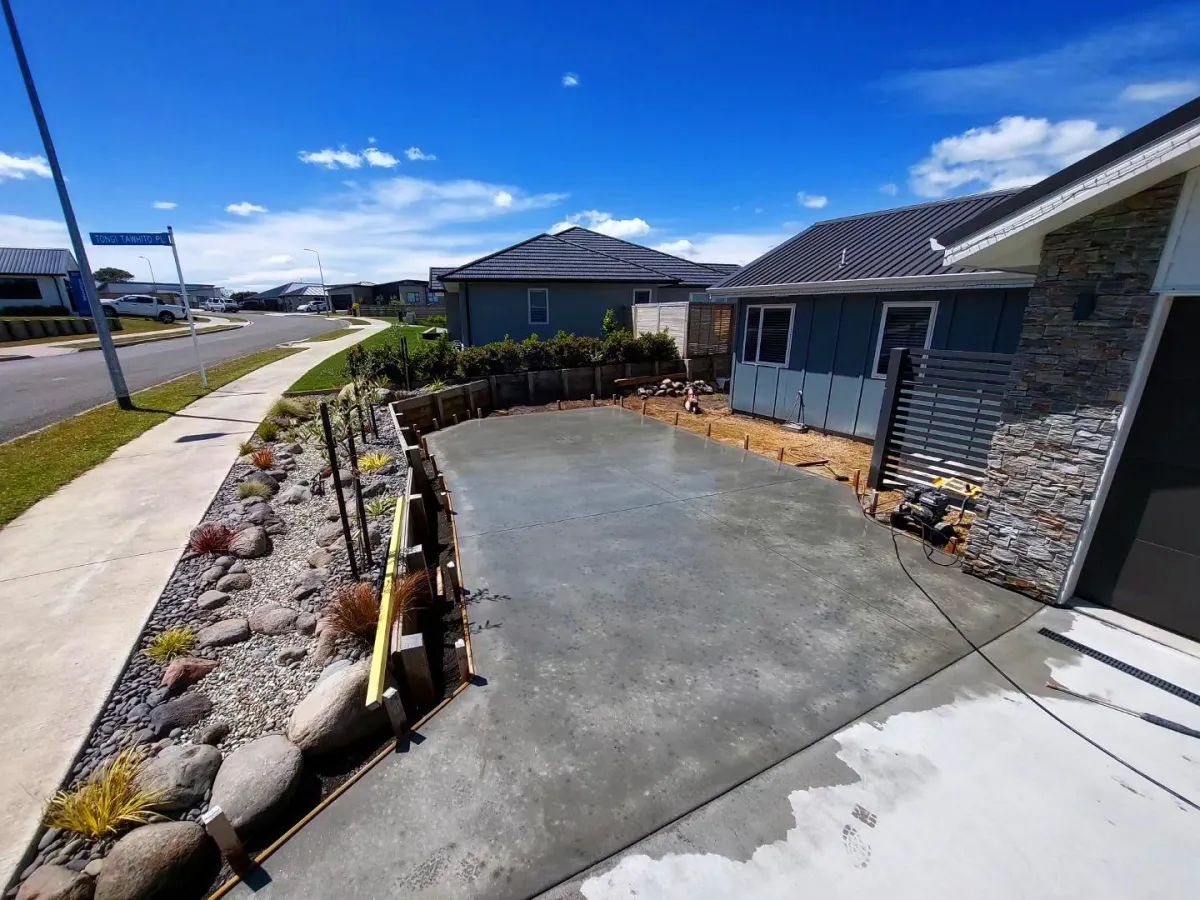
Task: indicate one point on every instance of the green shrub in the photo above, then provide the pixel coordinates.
(107, 803)
(267, 431)
(657, 347)
(610, 323)
(434, 321)
(373, 461)
(171, 644)
(569, 351)
(246, 447)
(381, 506)
(621, 347)
(474, 362)
(253, 489)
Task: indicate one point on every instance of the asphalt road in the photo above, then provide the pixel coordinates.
(38, 392)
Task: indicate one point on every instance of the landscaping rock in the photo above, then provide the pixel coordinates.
(276, 528)
(187, 710)
(291, 654)
(238, 581)
(297, 493)
(250, 543)
(238, 567)
(309, 583)
(346, 477)
(264, 478)
(374, 489)
(164, 860)
(293, 449)
(320, 558)
(230, 631)
(183, 775)
(56, 883)
(326, 649)
(94, 868)
(209, 576)
(180, 674)
(262, 514)
(257, 780)
(213, 733)
(334, 713)
(212, 599)
(386, 469)
(306, 623)
(327, 534)
(332, 514)
(272, 620)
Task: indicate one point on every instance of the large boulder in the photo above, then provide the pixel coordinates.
(329, 533)
(182, 773)
(212, 600)
(262, 514)
(257, 780)
(309, 583)
(182, 673)
(297, 493)
(56, 883)
(171, 859)
(182, 713)
(272, 620)
(222, 634)
(320, 558)
(250, 543)
(334, 713)
(264, 478)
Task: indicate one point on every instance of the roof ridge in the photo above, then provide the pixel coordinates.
(611, 256)
(691, 262)
(944, 201)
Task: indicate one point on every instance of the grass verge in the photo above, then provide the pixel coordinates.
(328, 336)
(331, 374)
(39, 464)
(353, 321)
(149, 338)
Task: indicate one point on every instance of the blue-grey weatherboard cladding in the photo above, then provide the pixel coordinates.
(834, 338)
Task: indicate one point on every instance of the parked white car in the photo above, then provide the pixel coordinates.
(314, 306)
(220, 306)
(146, 306)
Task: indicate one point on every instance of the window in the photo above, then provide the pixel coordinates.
(698, 297)
(768, 335)
(19, 289)
(903, 324)
(643, 295)
(539, 306)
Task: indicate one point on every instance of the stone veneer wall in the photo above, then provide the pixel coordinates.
(1059, 414)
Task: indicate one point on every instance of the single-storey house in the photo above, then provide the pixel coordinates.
(565, 282)
(1093, 475)
(819, 314)
(167, 290)
(286, 297)
(31, 277)
(437, 290)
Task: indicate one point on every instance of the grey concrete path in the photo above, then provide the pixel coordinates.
(658, 618)
(83, 569)
(960, 787)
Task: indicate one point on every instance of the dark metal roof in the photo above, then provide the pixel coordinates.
(893, 243)
(291, 289)
(723, 268)
(682, 270)
(548, 257)
(1133, 142)
(435, 277)
(19, 261)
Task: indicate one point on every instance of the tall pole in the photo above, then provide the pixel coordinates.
(109, 351)
(187, 306)
(153, 280)
(320, 268)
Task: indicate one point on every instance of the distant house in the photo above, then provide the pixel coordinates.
(197, 293)
(565, 282)
(409, 291)
(36, 278)
(286, 297)
(437, 290)
(343, 295)
(819, 314)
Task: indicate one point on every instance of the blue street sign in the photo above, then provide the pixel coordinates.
(78, 294)
(130, 239)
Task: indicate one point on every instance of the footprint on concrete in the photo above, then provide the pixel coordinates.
(858, 850)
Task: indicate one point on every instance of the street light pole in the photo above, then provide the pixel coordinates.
(109, 351)
(324, 293)
(153, 280)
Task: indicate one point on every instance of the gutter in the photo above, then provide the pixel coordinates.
(948, 281)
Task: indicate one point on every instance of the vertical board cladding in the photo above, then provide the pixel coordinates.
(1060, 410)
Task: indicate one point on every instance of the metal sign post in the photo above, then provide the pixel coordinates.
(187, 306)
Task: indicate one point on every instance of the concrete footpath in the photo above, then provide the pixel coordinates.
(84, 568)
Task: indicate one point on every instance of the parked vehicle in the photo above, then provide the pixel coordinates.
(251, 303)
(218, 305)
(145, 306)
(314, 306)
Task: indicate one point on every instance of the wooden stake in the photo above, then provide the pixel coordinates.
(708, 431)
(220, 829)
(781, 454)
(560, 404)
(676, 420)
(395, 712)
(746, 442)
(464, 667)
(614, 399)
(479, 412)
(857, 473)
(593, 399)
(456, 418)
(435, 425)
(643, 406)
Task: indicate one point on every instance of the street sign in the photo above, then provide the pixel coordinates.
(79, 293)
(130, 239)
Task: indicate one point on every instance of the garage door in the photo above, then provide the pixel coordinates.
(1145, 556)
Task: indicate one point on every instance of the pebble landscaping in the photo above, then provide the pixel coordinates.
(264, 686)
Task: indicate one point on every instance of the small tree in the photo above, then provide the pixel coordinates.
(611, 323)
(111, 273)
(241, 295)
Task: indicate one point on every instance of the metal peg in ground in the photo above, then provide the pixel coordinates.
(331, 453)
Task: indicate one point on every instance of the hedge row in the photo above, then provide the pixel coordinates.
(440, 360)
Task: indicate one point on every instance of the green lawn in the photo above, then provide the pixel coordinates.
(137, 338)
(331, 374)
(128, 326)
(353, 321)
(36, 466)
(328, 336)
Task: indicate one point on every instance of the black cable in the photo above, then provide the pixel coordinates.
(975, 647)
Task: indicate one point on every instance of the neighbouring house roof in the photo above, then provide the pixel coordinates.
(435, 277)
(146, 287)
(20, 261)
(892, 243)
(578, 254)
(291, 289)
(1089, 165)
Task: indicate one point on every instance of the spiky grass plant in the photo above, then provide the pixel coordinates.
(267, 431)
(253, 489)
(210, 538)
(410, 592)
(263, 458)
(290, 408)
(245, 448)
(107, 803)
(171, 644)
(354, 612)
(381, 506)
(373, 461)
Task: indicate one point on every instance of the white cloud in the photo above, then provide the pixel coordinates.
(332, 159)
(604, 223)
(370, 140)
(890, 189)
(503, 199)
(164, 204)
(1161, 90)
(379, 159)
(723, 248)
(278, 259)
(1014, 152)
(570, 80)
(812, 201)
(415, 154)
(244, 208)
(17, 167)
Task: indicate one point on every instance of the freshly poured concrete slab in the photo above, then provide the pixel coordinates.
(642, 655)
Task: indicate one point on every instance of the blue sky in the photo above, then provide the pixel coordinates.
(714, 130)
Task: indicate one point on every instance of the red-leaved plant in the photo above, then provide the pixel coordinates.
(211, 538)
(263, 458)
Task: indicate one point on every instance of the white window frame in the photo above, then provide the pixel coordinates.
(787, 356)
(701, 295)
(933, 307)
(637, 291)
(529, 301)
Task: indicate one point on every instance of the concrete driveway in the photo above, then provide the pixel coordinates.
(658, 618)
